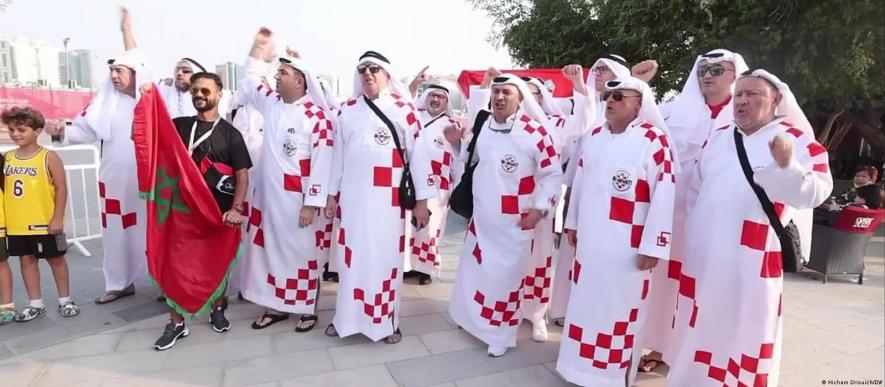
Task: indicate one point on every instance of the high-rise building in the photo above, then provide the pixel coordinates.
(230, 73)
(85, 68)
(29, 62)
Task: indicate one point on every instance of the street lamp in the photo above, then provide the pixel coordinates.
(67, 63)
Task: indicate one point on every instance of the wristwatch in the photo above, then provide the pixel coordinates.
(238, 207)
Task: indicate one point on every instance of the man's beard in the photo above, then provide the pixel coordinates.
(207, 106)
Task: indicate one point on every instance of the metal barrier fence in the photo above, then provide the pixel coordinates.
(83, 210)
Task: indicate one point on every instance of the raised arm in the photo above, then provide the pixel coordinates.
(126, 29)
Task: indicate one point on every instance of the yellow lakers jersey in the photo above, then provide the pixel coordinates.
(2, 217)
(29, 194)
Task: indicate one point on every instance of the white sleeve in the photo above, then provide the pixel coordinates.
(574, 205)
(337, 158)
(321, 160)
(255, 91)
(478, 100)
(548, 175)
(80, 132)
(418, 155)
(658, 228)
(576, 124)
(804, 183)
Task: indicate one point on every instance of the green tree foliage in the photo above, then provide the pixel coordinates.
(830, 52)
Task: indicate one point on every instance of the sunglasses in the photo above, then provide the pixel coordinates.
(204, 91)
(714, 70)
(617, 95)
(372, 69)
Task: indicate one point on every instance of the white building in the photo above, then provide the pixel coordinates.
(29, 62)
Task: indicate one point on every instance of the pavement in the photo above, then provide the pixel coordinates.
(833, 332)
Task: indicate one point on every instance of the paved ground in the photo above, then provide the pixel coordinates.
(832, 332)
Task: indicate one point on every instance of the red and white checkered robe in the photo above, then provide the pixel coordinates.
(423, 252)
(517, 171)
(123, 215)
(728, 322)
(371, 236)
(657, 334)
(621, 206)
(283, 262)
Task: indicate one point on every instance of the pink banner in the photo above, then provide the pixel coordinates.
(52, 103)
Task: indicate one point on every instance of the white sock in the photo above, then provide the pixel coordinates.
(64, 300)
(37, 303)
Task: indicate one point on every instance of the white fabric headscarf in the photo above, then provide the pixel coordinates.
(614, 63)
(421, 103)
(314, 90)
(789, 107)
(393, 84)
(689, 106)
(551, 108)
(100, 111)
(528, 105)
(331, 100)
(648, 112)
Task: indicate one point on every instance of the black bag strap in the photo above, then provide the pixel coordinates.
(434, 120)
(478, 123)
(767, 206)
(390, 126)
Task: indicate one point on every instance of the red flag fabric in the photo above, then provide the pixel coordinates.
(190, 251)
(562, 86)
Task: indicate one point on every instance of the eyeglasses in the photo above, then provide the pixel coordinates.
(601, 69)
(184, 70)
(714, 70)
(372, 69)
(617, 95)
(204, 91)
(437, 96)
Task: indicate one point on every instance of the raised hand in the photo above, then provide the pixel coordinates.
(781, 150)
(490, 75)
(575, 74)
(419, 79)
(645, 70)
(292, 53)
(125, 19)
(454, 133)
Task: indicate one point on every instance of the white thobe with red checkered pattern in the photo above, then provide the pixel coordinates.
(621, 206)
(517, 171)
(281, 267)
(371, 237)
(728, 322)
(658, 331)
(123, 216)
(423, 250)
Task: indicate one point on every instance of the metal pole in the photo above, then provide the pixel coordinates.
(67, 64)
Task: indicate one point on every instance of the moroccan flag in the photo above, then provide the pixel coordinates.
(190, 251)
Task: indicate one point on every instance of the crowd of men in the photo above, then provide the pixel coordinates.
(667, 244)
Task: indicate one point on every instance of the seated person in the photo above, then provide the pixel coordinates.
(870, 196)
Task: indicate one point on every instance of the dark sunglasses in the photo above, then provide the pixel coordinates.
(617, 95)
(372, 69)
(714, 70)
(204, 91)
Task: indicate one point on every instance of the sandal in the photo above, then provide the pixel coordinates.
(308, 320)
(29, 313)
(7, 315)
(115, 295)
(648, 364)
(69, 309)
(331, 331)
(274, 318)
(396, 337)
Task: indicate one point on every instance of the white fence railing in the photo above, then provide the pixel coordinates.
(83, 212)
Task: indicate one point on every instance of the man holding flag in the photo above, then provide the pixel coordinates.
(193, 236)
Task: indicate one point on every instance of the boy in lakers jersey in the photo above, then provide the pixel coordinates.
(34, 201)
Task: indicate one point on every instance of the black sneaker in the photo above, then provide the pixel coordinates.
(171, 334)
(424, 279)
(218, 321)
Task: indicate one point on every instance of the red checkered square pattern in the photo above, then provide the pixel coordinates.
(608, 349)
(427, 251)
(548, 152)
(442, 168)
(381, 304)
(511, 204)
(747, 371)
(112, 207)
(382, 177)
(537, 285)
(324, 236)
(686, 287)
(302, 289)
(575, 272)
(342, 241)
(755, 236)
(322, 133)
(477, 252)
(255, 220)
(295, 183)
(501, 312)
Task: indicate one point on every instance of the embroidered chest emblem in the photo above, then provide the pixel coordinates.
(509, 163)
(622, 181)
(382, 136)
(439, 143)
(289, 148)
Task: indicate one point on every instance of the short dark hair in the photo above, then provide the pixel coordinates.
(24, 116)
(873, 195)
(207, 75)
(870, 170)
